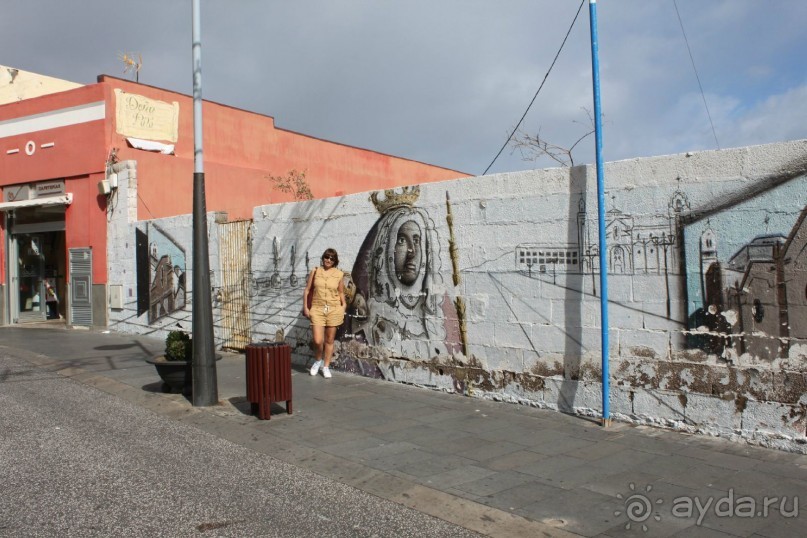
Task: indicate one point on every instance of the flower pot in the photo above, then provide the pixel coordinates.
(176, 375)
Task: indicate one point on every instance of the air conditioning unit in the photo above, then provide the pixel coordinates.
(104, 188)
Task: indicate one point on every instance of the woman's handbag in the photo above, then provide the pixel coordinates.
(310, 292)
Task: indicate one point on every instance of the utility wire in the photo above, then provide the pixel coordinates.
(691, 59)
(539, 88)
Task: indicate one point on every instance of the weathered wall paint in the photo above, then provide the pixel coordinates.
(523, 301)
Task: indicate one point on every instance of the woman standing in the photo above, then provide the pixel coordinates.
(327, 310)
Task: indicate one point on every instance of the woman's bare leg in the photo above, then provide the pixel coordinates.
(319, 339)
(330, 334)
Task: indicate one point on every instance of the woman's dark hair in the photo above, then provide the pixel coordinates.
(332, 253)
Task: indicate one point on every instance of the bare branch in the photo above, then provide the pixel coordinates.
(534, 147)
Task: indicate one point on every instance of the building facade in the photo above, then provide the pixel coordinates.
(60, 142)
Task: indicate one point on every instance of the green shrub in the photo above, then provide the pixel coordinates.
(178, 346)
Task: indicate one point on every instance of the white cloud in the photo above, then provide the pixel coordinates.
(779, 117)
(444, 81)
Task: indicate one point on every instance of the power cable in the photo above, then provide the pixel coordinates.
(539, 88)
(691, 59)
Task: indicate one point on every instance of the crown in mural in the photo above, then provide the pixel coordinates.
(406, 196)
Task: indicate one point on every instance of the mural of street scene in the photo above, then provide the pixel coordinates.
(166, 274)
(747, 276)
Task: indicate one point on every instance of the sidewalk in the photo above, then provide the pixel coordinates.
(498, 469)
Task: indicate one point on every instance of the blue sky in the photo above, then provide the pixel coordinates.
(445, 81)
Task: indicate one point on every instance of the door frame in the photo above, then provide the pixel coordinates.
(12, 272)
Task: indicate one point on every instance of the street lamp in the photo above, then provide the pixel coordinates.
(205, 390)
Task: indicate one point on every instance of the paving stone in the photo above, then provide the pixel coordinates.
(482, 450)
(619, 483)
(353, 447)
(449, 479)
(549, 465)
(784, 470)
(495, 483)
(431, 465)
(665, 466)
(661, 528)
(625, 459)
(778, 525)
(701, 532)
(560, 444)
(520, 496)
(575, 476)
(596, 451)
(701, 475)
(512, 460)
(564, 510)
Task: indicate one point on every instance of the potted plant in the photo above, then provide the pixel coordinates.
(174, 367)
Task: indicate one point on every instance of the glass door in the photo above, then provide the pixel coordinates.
(30, 277)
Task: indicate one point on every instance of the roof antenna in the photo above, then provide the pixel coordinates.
(132, 64)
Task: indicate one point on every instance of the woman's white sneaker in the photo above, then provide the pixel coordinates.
(326, 372)
(315, 367)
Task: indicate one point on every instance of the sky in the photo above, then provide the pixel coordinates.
(446, 81)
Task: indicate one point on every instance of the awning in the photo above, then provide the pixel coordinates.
(64, 199)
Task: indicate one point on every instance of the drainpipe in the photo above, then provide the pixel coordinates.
(595, 72)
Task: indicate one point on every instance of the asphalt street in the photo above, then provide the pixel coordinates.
(79, 462)
(90, 446)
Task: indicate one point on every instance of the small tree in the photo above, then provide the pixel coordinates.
(295, 183)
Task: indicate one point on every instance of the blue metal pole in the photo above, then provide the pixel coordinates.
(595, 72)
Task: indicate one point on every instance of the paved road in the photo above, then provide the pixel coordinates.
(79, 462)
(497, 469)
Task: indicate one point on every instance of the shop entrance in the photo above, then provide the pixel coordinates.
(37, 265)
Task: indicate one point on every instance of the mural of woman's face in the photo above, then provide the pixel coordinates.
(408, 252)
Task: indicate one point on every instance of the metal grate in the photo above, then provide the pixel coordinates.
(80, 286)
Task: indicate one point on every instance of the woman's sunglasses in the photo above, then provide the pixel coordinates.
(328, 257)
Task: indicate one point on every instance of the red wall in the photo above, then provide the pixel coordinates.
(78, 149)
(85, 221)
(240, 150)
(78, 156)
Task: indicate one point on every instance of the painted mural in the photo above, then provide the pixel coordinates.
(747, 276)
(400, 301)
(166, 277)
(496, 292)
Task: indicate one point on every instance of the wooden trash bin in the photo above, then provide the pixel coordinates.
(268, 377)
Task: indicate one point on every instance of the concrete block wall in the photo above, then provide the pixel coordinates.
(682, 310)
(533, 333)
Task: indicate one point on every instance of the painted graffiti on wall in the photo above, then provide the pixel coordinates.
(645, 245)
(166, 274)
(747, 276)
(400, 301)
